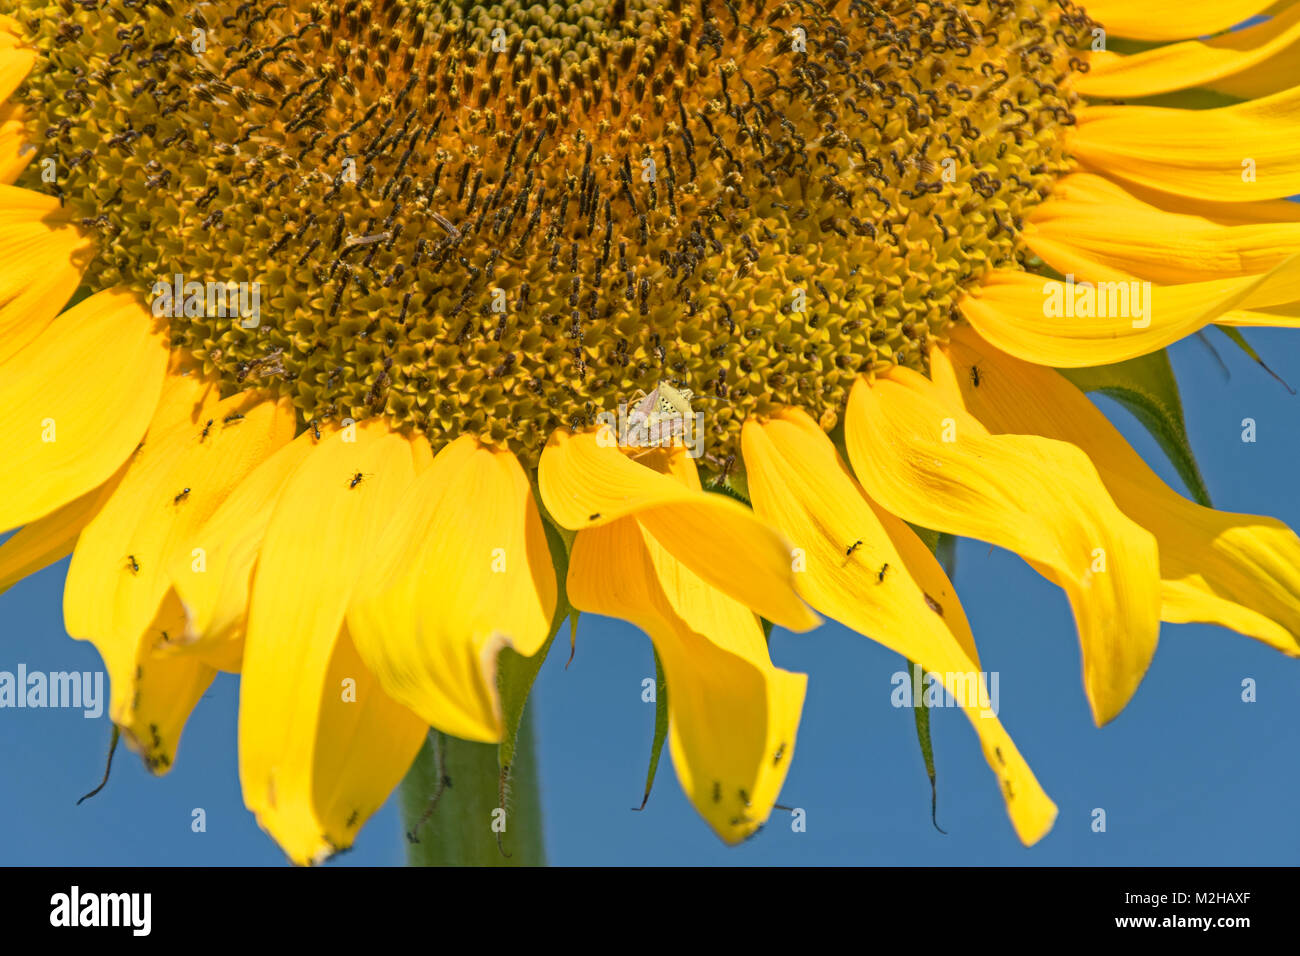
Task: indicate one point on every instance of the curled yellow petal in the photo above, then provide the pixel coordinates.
(586, 482)
(463, 571)
(921, 455)
(1240, 571)
(733, 717)
(159, 696)
(1075, 325)
(321, 745)
(868, 570)
(119, 578)
(214, 584)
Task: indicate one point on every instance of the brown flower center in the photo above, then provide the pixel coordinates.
(505, 219)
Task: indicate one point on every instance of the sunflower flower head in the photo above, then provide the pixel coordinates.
(860, 242)
(503, 220)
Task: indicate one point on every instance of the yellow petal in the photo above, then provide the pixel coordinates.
(11, 32)
(1022, 313)
(586, 482)
(44, 256)
(118, 578)
(49, 539)
(214, 587)
(1277, 316)
(1098, 231)
(15, 63)
(90, 383)
(15, 151)
(314, 764)
(1235, 153)
(346, 752)
(1256, 61)
(1094, 188)
(153, 702)
(920, 455)
(463, 571)
(869, 571)
(733, 717)
(187, 398)
(1172, 19)
(1241, 571)
(44, 541)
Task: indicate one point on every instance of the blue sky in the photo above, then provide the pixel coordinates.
(1188, 774)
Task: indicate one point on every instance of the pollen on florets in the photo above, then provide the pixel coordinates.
(506, 219)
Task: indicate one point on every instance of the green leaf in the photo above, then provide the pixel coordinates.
(944, 547)
(1241, 343)
(1146, 387)
(921, 712)
(661, 728)
(515, 676)
(516, 673)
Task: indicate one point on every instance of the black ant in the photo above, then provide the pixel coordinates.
(357, 479)
(185, 493)
(133, 564)
(231, 419)
(206, 429)
(975, 377)
(593, 517)
(880, 575)
(315, 428)
(853, 547)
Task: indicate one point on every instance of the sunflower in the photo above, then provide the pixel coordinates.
(855, 241)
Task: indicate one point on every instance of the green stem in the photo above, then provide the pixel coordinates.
(450, 797)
